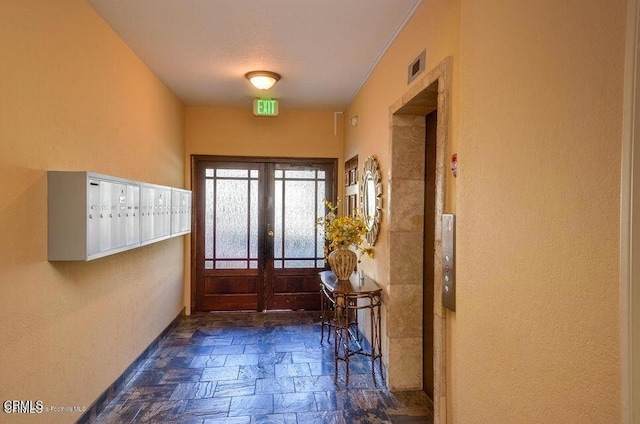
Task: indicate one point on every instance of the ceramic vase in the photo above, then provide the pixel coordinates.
(342, 262)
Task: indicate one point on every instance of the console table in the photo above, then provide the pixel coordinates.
(341, 301)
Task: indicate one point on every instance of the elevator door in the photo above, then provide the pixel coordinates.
(429, 248)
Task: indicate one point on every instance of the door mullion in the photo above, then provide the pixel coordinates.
(213, 215)
(315, 206)
(248, 258)
(267, 188)
(283, 216)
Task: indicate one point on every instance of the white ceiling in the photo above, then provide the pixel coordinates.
(201, 49)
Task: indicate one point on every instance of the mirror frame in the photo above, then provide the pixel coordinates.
(371, 168)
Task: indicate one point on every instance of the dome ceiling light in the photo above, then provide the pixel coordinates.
(262, 80)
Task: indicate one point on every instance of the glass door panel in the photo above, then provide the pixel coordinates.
(231, 227)
(298, 254)
(257, 244)
(228, 275)
(298, 203)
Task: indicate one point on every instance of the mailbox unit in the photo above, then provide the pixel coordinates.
(92, 215)
(180, 212)
(155, 216)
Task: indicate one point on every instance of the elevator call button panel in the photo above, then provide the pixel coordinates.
(449, 261)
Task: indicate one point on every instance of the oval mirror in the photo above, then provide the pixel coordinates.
(371, 198)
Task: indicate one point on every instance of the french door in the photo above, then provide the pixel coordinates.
(257, 246)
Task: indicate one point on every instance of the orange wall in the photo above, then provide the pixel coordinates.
(74, 97)
(237, 132)
(536, 122)
(293, 133)
(538, 271)
(433, 27)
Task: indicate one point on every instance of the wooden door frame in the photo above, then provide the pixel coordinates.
(220, 158)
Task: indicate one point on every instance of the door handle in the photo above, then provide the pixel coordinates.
(270, 233)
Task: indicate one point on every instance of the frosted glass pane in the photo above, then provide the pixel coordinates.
(310, 174)
(208, 264)
(232, 173)
(321, 175)
(208, 220)
(254, 173)
(253, 220)
(300, 218)
(253, 264)
(278, 173)
(277, 229)
(231, 264)
(320, 264)
(232, 218)
(209, 172)
(299, 263)
(277, 264)
(320, 211)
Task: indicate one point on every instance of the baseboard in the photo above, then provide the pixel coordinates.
(114, 389)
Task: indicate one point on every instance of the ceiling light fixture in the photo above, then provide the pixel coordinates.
(263, 80)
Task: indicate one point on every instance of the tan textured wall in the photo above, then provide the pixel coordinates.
(536, 121)
(74, 97)
(434, 27)
(538, 206)
(237, 132)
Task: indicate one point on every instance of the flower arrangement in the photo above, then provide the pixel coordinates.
(343, 231)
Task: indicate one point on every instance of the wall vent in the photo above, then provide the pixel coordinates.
(416, 67)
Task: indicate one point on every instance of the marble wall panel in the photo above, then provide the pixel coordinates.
(406, 205)
(405, 364)
(406, 257)
(407, 153)
(406, 320)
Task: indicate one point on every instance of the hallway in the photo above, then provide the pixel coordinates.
(542, 104)
(255, 368)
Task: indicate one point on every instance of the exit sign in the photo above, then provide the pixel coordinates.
(264, 107)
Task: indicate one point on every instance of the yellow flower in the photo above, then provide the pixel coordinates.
(368, 251)
(343, 230)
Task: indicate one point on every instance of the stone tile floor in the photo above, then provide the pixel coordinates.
(241, 368)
